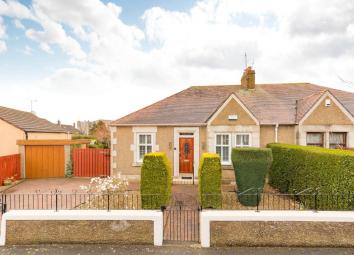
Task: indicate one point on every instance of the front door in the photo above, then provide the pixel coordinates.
(186, 155)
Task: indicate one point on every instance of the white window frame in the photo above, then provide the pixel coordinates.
(243, 146)
(138, 145)
(228, 162)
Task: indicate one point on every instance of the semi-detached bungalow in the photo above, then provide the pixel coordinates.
(218, 118)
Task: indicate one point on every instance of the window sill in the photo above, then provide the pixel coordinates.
(137, 164)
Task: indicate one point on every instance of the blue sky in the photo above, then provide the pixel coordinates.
(103, 59)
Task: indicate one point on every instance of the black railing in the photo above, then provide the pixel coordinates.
(278, 201)
(57, 200)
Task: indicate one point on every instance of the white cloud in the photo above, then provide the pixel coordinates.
(15, 9)
(122, 67)
(18, 24)
(3, 46)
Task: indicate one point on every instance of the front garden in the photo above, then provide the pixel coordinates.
(300, 178)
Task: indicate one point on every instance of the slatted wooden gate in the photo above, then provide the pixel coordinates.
(91, 162)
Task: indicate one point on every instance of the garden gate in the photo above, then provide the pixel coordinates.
(181, 219)
(91, 162)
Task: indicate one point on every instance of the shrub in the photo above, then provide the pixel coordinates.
(251, 166)
(209, 178)
(296, 168)
(69, 168)
(155, 184)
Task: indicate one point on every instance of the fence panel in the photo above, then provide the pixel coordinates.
(91, 162)
(10, 167)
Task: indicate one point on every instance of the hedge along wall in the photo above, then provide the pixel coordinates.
(296, 168)
(155, 184)
(251, 167)
(209, 180)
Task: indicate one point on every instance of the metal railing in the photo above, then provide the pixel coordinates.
(254, 200)
(57, 200)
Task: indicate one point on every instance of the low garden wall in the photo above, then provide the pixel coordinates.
(277, 228)
(82, 226)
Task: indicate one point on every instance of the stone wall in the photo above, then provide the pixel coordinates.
(271, 233)
(79, 231)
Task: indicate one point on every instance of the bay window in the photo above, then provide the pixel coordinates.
(337, 140)
(223, 147)
(243, 140)
(315, 139)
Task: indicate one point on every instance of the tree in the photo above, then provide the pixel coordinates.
(101, 132)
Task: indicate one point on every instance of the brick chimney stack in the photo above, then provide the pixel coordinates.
(248, 80)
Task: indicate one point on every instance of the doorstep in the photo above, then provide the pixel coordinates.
(184, 180)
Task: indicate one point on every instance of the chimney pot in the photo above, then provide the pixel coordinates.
(248, 79)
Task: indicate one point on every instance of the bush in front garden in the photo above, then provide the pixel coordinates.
(155, 184)
(251, 167)
(296, 168)
(209, 181)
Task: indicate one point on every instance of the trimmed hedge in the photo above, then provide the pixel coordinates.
(251, 167)
(155, 184)
(296, 168)
(209, 180)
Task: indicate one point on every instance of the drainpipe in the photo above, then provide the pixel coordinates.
(26, 135)
(276, 132)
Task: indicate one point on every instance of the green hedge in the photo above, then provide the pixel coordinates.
(209, 180)
(155, 184)
(296, 168)
(251, 166)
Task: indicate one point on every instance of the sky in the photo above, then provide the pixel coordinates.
(92, 59)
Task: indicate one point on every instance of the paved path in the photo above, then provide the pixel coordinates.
(167, 250)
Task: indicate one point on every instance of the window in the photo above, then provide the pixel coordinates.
(243, 140)
(314, 139)
(337, 140)
(144, 145)
(223, 147)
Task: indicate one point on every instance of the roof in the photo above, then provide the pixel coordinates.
(28, 122)
(303, 105)
(281, 103)
(70, 128)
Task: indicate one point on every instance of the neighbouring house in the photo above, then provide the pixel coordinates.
(19, 125)
(71, 129)
(218, 118)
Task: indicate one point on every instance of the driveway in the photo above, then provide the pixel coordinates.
(64, 185)
(47, 185)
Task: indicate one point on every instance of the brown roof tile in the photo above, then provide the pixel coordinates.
(270, 104)
(28, 122)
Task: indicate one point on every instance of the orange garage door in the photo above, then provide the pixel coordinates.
(44, 161)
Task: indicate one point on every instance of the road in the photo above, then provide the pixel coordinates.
(166, 250)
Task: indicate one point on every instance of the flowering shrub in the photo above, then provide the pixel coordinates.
(107, 185)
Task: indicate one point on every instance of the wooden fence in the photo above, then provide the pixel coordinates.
(91, 162)
(10, 167)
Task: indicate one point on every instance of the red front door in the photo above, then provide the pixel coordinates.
(186, 155)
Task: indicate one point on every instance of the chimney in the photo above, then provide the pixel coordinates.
(59, 123)
(248, 80)
(74, 125)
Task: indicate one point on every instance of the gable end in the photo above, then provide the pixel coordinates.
(232, 112)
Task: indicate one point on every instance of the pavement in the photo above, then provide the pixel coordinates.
(170, 250)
